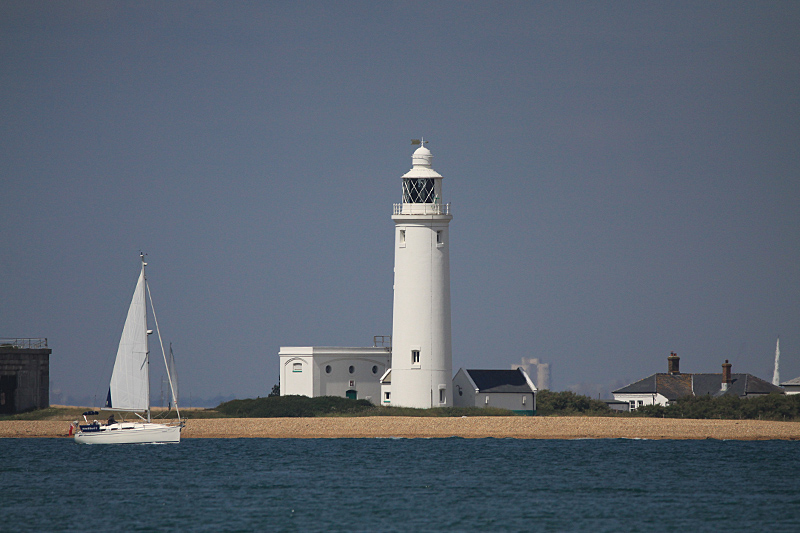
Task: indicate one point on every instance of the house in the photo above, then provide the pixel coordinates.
(792, 386)
(663, 388)
(505, 389)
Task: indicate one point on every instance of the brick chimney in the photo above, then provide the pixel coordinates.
(672, 364)
(726, 375)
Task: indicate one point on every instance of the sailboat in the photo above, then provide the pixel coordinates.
(129, 390)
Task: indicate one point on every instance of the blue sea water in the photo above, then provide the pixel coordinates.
(400, 485)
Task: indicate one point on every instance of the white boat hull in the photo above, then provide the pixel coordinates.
(131, 433)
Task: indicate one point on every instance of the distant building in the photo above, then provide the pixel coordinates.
(539, 372)
(505, 389)
(24, 375)
(662, 389)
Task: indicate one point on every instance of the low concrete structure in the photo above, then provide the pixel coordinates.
(505, 389)
(348, 372)
(24, 375)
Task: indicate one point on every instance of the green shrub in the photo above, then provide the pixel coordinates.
(770, 407)
(292, 406)
(568, 403)
(303, 406)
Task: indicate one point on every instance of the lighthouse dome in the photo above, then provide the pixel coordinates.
(422, 157)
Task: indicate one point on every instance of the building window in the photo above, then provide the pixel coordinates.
(414, 357)
(297, 367)
(442, 395)
(486, 400)
(641, 403)
(402, 238)
(523, 399)
(387, 396)
(327, 369)
(633, 405)
(374, 369)
(351, 369)
(439, 241)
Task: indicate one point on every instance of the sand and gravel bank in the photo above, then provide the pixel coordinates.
(471, 427)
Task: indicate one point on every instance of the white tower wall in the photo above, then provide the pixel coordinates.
(421, 314)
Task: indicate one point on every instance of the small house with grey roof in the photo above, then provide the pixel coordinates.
(661, 389)
(505, 389)
(792, 386)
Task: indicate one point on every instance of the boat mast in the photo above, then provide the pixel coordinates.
(146, 340)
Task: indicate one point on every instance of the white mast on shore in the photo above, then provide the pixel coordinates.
(776, 376)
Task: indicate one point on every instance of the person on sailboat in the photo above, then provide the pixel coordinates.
(111, 420)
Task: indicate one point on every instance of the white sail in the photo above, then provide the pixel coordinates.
(129, 381)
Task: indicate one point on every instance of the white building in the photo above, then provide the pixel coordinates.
(422, 367)
(334, 371)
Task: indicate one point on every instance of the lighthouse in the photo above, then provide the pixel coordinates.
(422, 362)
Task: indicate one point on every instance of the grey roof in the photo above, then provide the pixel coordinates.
(499, 380)
(674, 386)
(795, 381)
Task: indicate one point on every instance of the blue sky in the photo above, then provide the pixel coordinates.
(623, 178)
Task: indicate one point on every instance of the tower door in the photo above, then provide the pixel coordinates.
(8, 390)
(352, 394)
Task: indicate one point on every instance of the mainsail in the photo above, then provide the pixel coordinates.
(129, 380)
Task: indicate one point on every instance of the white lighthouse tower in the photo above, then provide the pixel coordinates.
(422, 361)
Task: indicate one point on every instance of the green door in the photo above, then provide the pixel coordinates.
(353, 395)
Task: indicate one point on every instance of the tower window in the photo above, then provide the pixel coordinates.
(402, 239)
(297, 367)
(442, 396)
(328, 369)
(414, 357)
(374, 369)
(351, 369)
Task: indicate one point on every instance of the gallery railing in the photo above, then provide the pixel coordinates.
(8, 342)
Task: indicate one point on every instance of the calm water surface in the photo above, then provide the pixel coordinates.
(401, 485)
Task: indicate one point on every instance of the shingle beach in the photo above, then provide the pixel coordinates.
(467, 427)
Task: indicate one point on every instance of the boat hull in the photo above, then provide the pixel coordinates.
(131, 433)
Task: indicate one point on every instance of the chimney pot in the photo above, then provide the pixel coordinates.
(673, 363)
